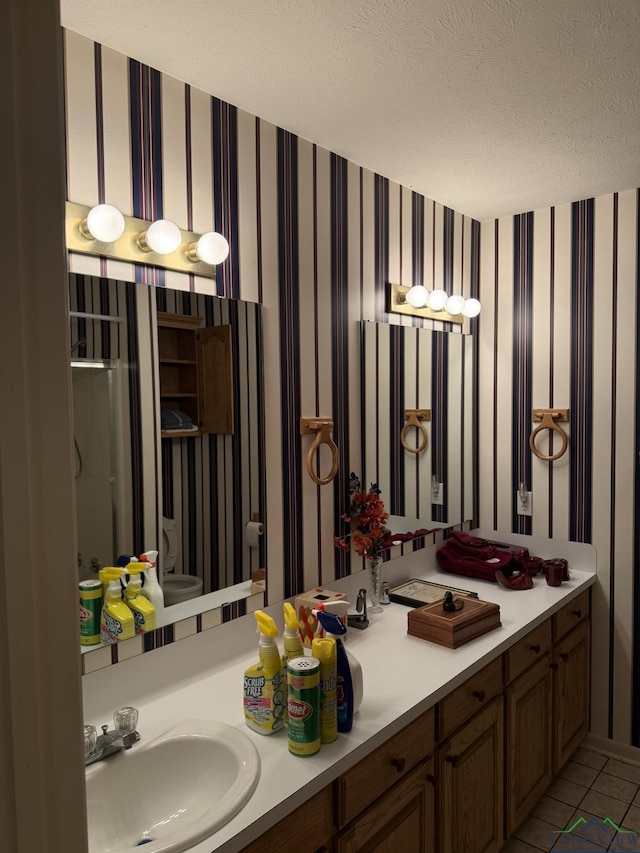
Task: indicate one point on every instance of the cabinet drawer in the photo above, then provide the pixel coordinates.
(305, 830)
(365, 782)
(528, 650)
(474, 694)
(571, 614)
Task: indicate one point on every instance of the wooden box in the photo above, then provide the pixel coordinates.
(453, 629)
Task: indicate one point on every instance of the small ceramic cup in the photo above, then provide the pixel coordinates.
(554, 571)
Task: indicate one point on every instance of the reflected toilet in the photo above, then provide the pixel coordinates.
(176, 587)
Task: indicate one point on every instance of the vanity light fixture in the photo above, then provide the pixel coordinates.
(104, 222)
(433, 305)
(162, 237)
(104, 231)
(212, 248)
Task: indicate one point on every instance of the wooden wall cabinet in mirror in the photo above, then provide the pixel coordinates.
(195, 371)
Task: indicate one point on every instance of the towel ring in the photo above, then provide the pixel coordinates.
(322, 428)
(414, 418)
(549, 420)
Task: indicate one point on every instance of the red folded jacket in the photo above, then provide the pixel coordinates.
(463, 554)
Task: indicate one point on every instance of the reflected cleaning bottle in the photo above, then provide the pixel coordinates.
(116, 619)
(144, 613)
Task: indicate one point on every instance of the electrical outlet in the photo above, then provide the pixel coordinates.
(524, 508)
(437, 494)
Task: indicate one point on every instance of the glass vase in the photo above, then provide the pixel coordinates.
(375, 584)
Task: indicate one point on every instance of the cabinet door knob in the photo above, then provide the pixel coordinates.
(431, 779)
(577, 613)
(563, 656)
(553, 666)
(453, 760)
(535, 649)
(399, 764)
(479, 695)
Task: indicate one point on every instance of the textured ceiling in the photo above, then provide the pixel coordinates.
(491, 107)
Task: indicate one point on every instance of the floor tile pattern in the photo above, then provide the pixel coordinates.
(597, 798)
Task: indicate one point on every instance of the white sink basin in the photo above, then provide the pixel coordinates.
(178, 785)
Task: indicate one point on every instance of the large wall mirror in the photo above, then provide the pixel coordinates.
(184, 484)
(425, 472)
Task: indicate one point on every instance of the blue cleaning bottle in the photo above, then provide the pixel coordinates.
(333, 627)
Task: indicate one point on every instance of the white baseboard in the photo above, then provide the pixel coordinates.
(612, 748)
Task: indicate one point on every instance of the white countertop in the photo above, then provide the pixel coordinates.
(201, 677)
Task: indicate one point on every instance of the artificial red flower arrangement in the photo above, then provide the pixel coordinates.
(366, 518)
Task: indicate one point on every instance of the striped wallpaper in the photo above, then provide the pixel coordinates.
(559, 327)
(315, 239)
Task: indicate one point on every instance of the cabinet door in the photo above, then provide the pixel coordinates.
(215, 376)
(529, 740)
(571, 690)
(308, 829)
(401, 820)
(471, 778)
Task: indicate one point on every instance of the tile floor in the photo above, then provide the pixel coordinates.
(590, 786)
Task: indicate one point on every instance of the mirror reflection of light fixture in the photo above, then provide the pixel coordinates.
(104, 231)
(433, 305)
(417, 296)
(471, 308)
(162, 237)
(104, 222)
(212, 248)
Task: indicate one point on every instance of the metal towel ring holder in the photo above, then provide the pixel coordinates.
(322, 428)
(413, 419)
(549, 420)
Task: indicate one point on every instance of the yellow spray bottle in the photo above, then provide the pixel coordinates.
(291, 637)
(144, 612)
(116, 620)
(264, 695)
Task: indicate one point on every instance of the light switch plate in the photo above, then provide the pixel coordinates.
(437, 495)
(526, 510)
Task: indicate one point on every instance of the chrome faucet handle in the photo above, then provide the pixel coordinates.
(125, 719)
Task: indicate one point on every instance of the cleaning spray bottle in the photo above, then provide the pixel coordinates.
(116, 620)
(333, 627)
(291, 636)
(144, 613)
(152, 589)
(325, 650)
(264, 685)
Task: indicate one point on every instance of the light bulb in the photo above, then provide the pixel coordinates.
(455, 304)
(437, 300)
(104, 223)
(162, 237)
(471, 308)
(417, 296)
(212, 248)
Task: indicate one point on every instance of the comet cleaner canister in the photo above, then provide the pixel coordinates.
(303, 706)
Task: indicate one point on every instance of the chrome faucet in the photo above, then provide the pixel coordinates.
(123, 736)
(361, 620)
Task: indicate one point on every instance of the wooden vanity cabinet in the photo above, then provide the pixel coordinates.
(462, 776)
(547, 705)
(471, 784)
(195, 373)
(386, 802)
(571, 692)
(529, 740)
(400, 820)
(309, 829)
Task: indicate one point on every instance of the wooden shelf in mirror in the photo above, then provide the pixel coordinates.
(195, 371)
